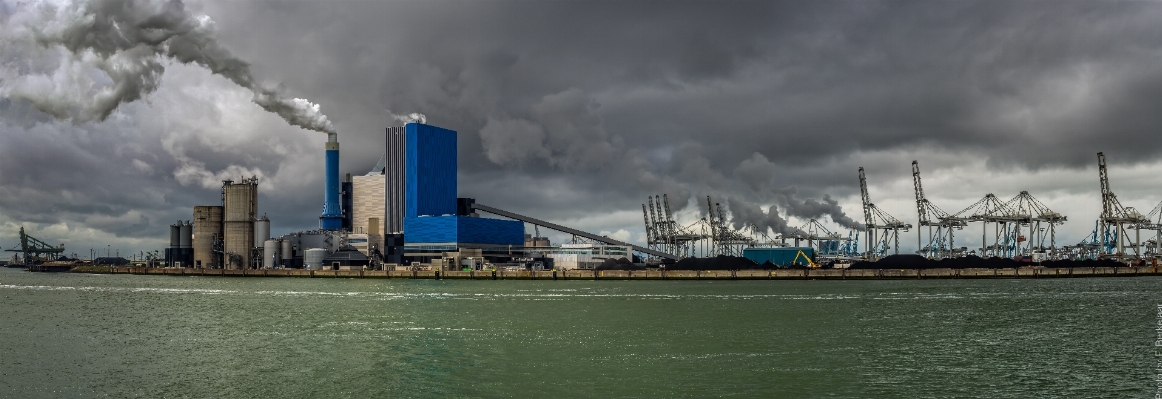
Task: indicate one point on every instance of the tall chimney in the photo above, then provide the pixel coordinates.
(332, 218)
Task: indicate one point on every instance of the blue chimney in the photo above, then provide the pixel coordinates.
(332, 218)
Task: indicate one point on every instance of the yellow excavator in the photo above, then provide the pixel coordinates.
(810, 262)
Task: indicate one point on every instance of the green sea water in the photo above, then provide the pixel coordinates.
(78, 335)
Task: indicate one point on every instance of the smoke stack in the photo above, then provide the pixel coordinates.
(332, 218)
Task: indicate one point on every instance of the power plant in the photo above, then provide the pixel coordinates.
(405, 214)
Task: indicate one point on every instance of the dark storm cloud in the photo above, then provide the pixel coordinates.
(570, 110)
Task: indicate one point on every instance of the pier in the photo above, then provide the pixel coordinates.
(781, 274)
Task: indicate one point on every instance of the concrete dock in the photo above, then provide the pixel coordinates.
(782, 274)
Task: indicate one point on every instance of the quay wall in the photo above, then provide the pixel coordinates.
(782, 274)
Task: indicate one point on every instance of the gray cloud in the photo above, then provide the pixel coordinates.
(584, 109)
(126, 41)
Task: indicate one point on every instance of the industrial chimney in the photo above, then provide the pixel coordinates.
(332, 218)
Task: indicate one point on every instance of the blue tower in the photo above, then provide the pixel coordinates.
(429, 171)
(429, 209)
(332, 218)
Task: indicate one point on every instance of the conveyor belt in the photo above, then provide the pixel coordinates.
(564, 229)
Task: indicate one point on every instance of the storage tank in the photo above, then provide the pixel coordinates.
(186, 235)
(270, 254)
(286, 252)
(313, 258)
(175, 235)
(261, 232)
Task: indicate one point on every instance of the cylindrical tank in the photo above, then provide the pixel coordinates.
(285, 252)
(261, 231)
(175, 235)
(313, 258)
(270, 255)
(186, 235)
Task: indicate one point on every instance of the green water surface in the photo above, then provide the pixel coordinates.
(80, 335)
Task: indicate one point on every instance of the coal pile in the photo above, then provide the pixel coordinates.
(619, 264)
(973, 262)
(720, 262)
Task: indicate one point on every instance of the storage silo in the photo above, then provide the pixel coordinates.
(313, 258)
(286, 253)
(207, 228)
(241, 208)
(175, 235)
(185, 235)
(270, 255)
(262, 232)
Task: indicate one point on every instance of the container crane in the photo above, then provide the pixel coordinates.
(932, 216)
(1118, 219)
(875, 220)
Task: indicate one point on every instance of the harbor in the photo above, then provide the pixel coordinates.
(779, 274)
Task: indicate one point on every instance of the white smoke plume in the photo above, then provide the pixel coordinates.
(112, 52)
(408, 118)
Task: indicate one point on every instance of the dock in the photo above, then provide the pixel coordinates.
(781, 274)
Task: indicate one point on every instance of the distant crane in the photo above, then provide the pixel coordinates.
(1116, 218)
(1028, 211)
(34, 250)
(989, 209)
(1154, 222)
(932, 216)
(876, 219)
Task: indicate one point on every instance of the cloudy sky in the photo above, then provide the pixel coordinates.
(576, 111)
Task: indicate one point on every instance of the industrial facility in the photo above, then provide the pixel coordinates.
(1022, 228)
(405, 213)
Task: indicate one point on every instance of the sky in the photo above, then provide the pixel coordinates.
(575, 111)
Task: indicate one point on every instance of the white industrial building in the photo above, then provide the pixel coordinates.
(584, 256)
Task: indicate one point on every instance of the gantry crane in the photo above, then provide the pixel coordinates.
(662, 232)
(1025, 210)
(876, 219)
(1154, 223)
(1115, 219)
(932, 216)
(989, 209)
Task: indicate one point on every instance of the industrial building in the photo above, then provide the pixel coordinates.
(404, 213)
(581, 256)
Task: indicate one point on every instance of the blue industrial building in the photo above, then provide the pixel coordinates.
(778, 255)
(430, 171)
(430, 216)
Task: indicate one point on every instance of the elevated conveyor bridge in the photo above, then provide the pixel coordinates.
(563, 229)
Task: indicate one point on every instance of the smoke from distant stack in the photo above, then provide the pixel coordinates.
(126, 40)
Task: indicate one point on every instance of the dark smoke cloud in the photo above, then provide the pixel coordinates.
(128, 41)
(744, 214)
(810, 208)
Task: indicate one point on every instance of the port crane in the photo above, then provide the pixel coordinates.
(876, 220)
(34, 250)
(932, 216)
(1117, 219)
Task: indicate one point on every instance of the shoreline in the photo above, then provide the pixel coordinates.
(782, 274)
